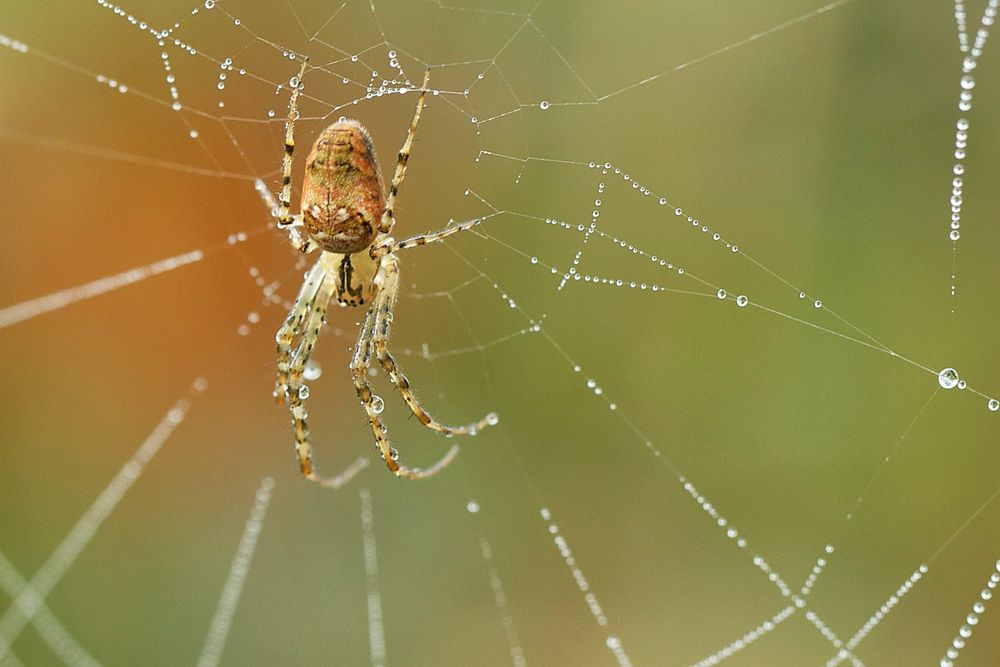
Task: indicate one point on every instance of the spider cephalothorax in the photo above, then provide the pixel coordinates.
(347, 216)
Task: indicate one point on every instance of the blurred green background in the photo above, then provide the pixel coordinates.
(822, 149)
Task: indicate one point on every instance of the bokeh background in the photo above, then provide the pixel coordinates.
(823, 149)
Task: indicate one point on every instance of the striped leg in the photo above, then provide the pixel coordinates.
(388, 219)
(434, 237)
(293, 326)
(388, 244)
(359, 371)
(380, 339)
(305, 321)
(285, 198)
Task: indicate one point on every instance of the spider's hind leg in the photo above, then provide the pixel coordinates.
(380, 340)
(360, 366)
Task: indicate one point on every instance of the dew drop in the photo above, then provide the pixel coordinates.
(948, 378)
(817, 304)
(993, 405)
(303, 392)
(378, 405)
(954, 235)
(193, 134)
(543, 105)
(209, 4)
(721, 294)
(313, 370)
(472, 506)
(742, 301)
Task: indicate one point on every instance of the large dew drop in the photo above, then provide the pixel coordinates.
(312, 371)
(948, 378)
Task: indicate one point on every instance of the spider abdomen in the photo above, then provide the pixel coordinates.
(342, 194)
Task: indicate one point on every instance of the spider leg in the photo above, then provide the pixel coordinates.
(391, 244)
(292, 327)
(359, 370)
(388, 219)
(305, 321)
(302, 243)
(285, 198)
(314, 318)
(380, 339)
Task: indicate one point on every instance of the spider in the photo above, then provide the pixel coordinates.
(348, 218)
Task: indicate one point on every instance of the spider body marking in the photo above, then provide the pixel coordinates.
(348, 218)
(342, 195)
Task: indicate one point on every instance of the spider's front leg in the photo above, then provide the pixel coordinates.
(388, 215)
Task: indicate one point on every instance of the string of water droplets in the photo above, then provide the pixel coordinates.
(878, 616)
(758, 560)
(612, 641)
(947, 378)
(844, 650)
(225, 609)
(376, 624)
(972, 52)
(973, 618)
(49, 628)
(500, 597)
(27, 603)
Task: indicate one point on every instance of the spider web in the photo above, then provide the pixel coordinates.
(726, 259)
